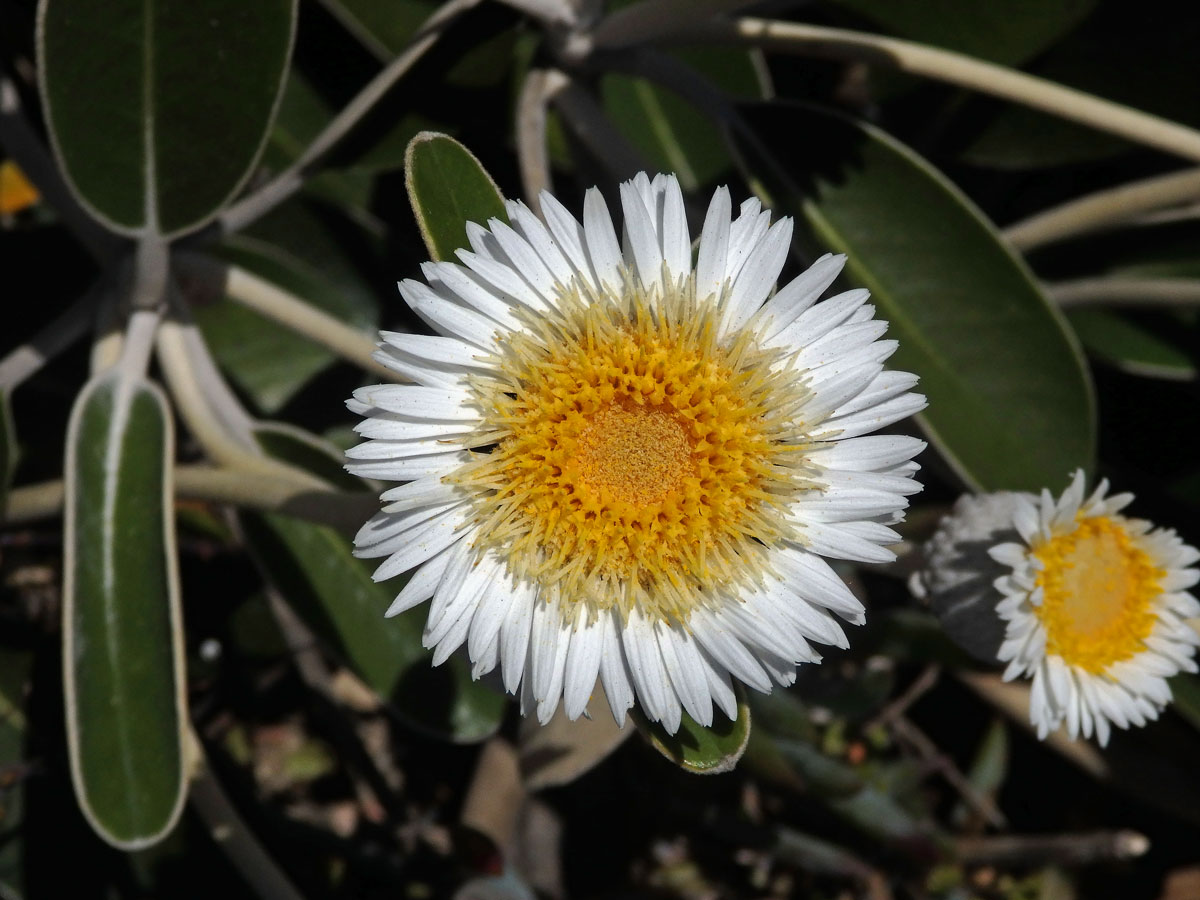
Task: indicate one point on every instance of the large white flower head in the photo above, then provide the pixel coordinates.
(1095, 610)
(626, 466)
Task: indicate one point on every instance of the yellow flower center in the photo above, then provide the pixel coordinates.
(633, 455)
(1100, 588)
(635, 458)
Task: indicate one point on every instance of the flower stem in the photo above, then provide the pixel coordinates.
(345, 511)
(1118, 291)
(1104, 208)
(288, 310)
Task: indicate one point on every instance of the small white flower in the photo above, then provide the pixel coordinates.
(626, 466)
(1094, 609)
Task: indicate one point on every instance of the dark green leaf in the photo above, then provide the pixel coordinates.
(306, 451)
(447, 188)
(384, 27)
(704, 751)
(826, 776)
(123, 638)
(313, 567)
(1011, 404)
(1003, 31)
(1129, 346)
(673, 135)
(1186, 691)
(158, 111)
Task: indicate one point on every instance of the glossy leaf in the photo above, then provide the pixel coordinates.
(313, 567)
(1003, 31)
(694, 748)
(448, 187)
(157, 111)
(1011, 404)
(1130, 346)
(122, 632)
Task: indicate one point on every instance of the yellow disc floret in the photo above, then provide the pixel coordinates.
(634, 458)
(1099, 592)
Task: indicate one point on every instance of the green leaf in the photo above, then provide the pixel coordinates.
(1002, 31)
(14, 673)
(988, 769)
(307, 451)
(694, 748)
(384, 27)
(673, 135)
(1130, 346)
(447, 188)
(8, 449)
(122, 631)
(1011, 404)
(314, 569)
(1186, 691)
(157, 111)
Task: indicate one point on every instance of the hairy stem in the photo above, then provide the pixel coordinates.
(1105, 208)
(928, 62)
(1126, 292)
(288, 310)
(247, 490)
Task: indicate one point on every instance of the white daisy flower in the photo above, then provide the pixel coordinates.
(1094, 610)
(624, 465)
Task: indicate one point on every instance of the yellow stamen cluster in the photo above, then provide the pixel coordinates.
(1099, 592)
(635, 458)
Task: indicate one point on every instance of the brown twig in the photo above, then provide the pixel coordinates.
(1079, 849)
(921, 685)
(909, 733)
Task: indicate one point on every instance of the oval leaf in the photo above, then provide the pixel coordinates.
(122, 634)
(703, 751)
(1011, 403)
(448, 187)
(157, 111)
